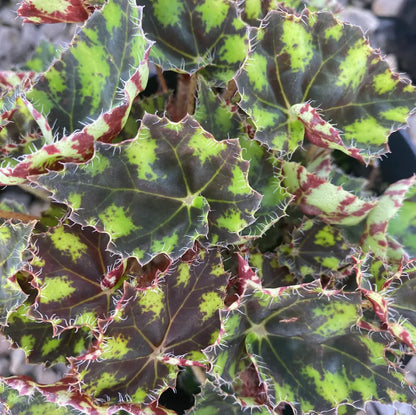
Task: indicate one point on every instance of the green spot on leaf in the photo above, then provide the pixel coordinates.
(68, 243)
(168, 12)
(384, 82)
(210, 304)
(354, 67)
(56, 289)
(142, 153)
(213, 13)
(117, 221)
(297, 44)
(116, 347)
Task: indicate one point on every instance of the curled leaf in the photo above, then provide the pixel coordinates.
(374, 237)
(316, 196)
(55, 11)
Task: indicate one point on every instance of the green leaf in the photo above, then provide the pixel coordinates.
(13, 241)
(403, 225)
(34, 404)
(374, 237)
(161, 191)
(190, 36)
(39, 342)
(88, 89)
(317, 196)
(341, 364)
(214, 115)
(75, 275)
(148, 336)
(314, 58)
(264, 178)
(315, 249)
(212, 401)
(87, 79)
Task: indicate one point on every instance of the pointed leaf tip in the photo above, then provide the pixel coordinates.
(317, 196)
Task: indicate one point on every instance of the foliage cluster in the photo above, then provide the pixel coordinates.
(205, 227)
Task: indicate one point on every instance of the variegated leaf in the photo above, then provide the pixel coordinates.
(317, 196)
(264, 176)
(402, 309)
(156, 330)
(13, 241)
(71, 401)
(75, 275)
(88, 93)
(22, 134)
(214, 115)
(42, 57)
(387, 318)
(38, 341)
(272, 273)
(340, 365)
(86, 81)
(11, 402)
(403, 225)
(56, 11)
(255, 10)
(190, 35)
(374, 237)
(316, 248)
(214, 401)
(314, 58)
(161, 191)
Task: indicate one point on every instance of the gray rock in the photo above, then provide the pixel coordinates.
(388, 8)
(8, 17)
(18, 365)
(59, 33)
(9, 37)
(362, 18)
(4, 366)
(385, 37)
(411, 129)
(4, 346)
(44, 375)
